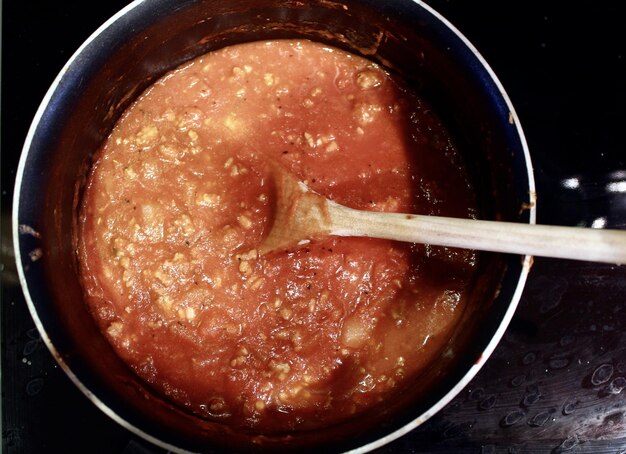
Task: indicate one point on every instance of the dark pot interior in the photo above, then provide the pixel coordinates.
(155, 36)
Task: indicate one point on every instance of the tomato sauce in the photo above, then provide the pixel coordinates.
(181, 196)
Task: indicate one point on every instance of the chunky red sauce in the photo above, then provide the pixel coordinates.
(180, 197)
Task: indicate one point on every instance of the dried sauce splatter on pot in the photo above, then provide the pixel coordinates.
(181, 196)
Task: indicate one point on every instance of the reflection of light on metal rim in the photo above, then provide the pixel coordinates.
(571, 183)
(598, 223)
(617, 186)
(618, 175)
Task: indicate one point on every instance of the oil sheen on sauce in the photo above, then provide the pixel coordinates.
(181, 196)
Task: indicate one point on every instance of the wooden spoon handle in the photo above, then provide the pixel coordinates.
(527, 239)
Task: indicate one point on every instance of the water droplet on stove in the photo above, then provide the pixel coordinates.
(530, 399)
(533, 388)
(570, 406)
(532, 395)
(614, 419)
(529, 358)
(512, 418)
(539, 419)
(34, 386)
(566, 445)
(487, 402)
(476, 394)
(455, 430)
(518, 380)
(616, 386)
(566, 340)
(602, 374)
(558, 363)
(33, 333)
(30, 347)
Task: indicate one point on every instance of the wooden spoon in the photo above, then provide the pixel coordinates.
(301, 214)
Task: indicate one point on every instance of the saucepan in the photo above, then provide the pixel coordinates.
(148, 38)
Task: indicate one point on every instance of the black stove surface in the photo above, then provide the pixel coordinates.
(557, 381)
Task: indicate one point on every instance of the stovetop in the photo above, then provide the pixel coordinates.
(557, 381)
